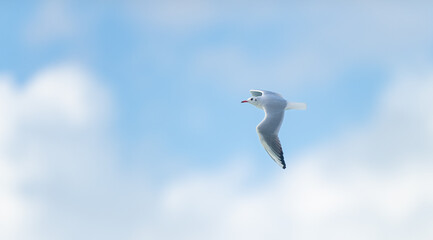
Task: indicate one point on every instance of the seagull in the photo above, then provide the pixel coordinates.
(274, 106)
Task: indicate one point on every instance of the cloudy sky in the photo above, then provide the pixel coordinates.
(122, 120)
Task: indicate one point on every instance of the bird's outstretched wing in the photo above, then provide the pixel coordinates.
(268, 134)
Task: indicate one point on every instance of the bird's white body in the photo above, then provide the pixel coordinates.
(274, 106)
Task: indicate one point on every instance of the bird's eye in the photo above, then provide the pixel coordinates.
(251, 99)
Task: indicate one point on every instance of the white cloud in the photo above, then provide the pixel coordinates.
(50, 138)
(13, 208)
(67, 92)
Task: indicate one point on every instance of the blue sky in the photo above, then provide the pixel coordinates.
(135, 107)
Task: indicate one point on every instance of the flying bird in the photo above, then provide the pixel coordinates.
(274, 106)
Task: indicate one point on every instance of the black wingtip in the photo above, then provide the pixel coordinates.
(284, 167)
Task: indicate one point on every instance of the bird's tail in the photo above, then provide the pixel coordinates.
(298, 106)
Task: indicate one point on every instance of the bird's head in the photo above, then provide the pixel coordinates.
(253, 100)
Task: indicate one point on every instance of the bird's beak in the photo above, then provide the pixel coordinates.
(244, 101)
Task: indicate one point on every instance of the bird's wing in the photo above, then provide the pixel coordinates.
(268, 134)
(257, 93)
